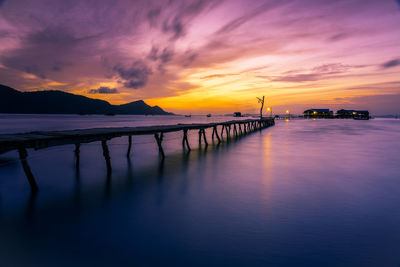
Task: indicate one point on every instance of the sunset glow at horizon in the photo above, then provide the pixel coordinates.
(208, 56)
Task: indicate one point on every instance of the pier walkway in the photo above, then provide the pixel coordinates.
(44, 139)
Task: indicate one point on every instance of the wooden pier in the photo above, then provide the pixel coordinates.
(44, 139)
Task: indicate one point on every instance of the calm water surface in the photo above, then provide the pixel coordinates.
(301, 193)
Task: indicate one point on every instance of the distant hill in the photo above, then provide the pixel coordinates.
(59, 102)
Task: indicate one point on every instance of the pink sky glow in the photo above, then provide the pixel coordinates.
(207, 56)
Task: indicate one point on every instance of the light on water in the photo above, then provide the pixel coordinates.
(303, 192)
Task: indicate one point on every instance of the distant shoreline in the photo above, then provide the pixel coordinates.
(59, 102)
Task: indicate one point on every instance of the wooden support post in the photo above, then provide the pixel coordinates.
(129, 146)
(159, 139)
(185, 140)
(106, 154)
(204, 137)
(222, 130)
(216, 134)
(76, 151)
(235, 130)
(212, 135)
(200, 132)
(23, 154)
(227, 130)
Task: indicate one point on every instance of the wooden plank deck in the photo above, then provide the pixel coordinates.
(43, 139)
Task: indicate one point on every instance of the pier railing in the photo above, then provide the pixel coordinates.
(44, 139)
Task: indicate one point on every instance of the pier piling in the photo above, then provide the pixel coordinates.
(185, 140)
(216, 134)
(106, 154)
(128, 153)
(23, 155)
(204, 137)
(159, 139)
(77, 152)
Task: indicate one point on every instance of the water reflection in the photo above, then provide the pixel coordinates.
(129, 174)
(267, 160)
(30, 209)
(285, 196)
(178, 163)
(77, 187)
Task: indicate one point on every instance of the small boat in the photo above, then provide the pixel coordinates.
(208, 115)
(188, 116)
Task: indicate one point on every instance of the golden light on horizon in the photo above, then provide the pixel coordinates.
(208, 69)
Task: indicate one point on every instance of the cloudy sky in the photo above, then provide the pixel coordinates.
(204, 56)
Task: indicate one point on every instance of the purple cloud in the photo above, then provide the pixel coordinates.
(391, 64)
(177, 20)
(135, 76)
(103, 90)
(236, 23)
(338, 37)
(164, 56)
(314, 74)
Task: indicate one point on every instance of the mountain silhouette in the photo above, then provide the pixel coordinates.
(59, 102)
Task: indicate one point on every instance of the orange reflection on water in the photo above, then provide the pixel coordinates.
(267, 162)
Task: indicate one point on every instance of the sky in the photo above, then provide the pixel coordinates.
(207, 56)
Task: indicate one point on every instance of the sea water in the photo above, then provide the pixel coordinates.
(300, 193)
